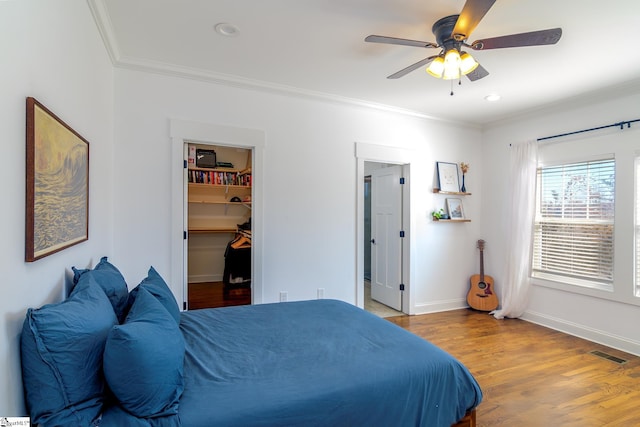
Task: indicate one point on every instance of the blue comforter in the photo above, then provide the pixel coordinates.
(316, 363)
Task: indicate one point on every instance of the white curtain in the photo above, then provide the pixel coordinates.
(520, 216)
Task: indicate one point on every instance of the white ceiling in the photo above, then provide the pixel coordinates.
(317, 48)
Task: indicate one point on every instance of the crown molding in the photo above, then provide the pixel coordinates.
(628, 88)
(180, 71)
(106, 30)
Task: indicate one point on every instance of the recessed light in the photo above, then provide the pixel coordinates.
(227, 30)
(493, 97)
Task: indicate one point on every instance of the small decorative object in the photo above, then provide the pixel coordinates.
(464, 167)
(448, 177)
(454, 206)
(57, 193)
(439, 214)
(205, 158)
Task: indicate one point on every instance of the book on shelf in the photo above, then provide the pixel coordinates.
(219, 178)
(192, 156)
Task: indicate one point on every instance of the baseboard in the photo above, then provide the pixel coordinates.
(438, 306)
(581, 331)
(205, 278)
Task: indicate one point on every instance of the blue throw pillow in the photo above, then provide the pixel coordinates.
(111, 281)
(62, 347)
(143, 360)
(156, 285)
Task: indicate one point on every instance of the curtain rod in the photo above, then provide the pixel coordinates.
(619, 124)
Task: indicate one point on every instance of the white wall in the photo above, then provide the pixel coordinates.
(309, 184)
(53, 52)
(609, 318)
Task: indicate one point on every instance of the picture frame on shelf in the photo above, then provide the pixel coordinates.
(455, 209)
(448, 177)
(57, 184)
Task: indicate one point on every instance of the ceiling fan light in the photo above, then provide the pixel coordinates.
(452, 58)
(436, 68)
(451, 65)
(451, 73)
(467, 63)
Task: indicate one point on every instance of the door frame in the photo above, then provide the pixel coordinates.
(392, 155)
(183, 132)
(389, 293)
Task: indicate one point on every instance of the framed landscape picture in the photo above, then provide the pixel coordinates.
(448, 177)
(57, 184)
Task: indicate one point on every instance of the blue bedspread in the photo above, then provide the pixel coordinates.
(316, 363)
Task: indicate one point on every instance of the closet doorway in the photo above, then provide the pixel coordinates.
(219, 233)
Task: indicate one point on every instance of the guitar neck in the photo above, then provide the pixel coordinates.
(481, 265)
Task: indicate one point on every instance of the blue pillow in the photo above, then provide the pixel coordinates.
(159, 289)
(61, 349)
(111, 281)
(143, 360)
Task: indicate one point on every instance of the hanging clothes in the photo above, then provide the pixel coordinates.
(237, 263)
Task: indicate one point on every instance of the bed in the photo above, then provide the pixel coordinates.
(306, 363)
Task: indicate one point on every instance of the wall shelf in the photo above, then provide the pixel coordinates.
(451, 193)
(455, 193)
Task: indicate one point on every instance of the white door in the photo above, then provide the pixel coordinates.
(386, 243)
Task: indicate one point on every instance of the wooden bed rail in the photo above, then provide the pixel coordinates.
(469, 420)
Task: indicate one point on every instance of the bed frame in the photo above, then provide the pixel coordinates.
(469, 420)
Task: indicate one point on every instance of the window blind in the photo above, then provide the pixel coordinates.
(573, 234)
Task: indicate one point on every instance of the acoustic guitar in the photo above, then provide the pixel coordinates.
(481, 296)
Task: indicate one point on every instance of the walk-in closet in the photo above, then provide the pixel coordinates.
(219, 225)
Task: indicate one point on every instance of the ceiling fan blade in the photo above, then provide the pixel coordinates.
(395, 40)
(534, 38)
(478, 73)
(472, 13)
(412, 67)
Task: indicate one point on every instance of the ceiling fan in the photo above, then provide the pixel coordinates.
(452, 33)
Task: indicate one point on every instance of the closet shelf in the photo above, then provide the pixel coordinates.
(220, 186)
(217, 202)
(209, 230)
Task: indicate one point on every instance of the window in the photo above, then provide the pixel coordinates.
(573, 234)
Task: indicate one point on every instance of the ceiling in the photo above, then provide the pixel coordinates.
(316, 48)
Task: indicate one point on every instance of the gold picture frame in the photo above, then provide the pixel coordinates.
(57, 184)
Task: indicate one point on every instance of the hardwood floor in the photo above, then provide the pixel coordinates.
(535, 376)
(211, 295)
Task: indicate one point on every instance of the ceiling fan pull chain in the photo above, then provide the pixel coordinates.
(451, 87)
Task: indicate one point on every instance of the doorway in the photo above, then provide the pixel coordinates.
(383, 230)
(219, 237)
(365, 153)
(182, 132)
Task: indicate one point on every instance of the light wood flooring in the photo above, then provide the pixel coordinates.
(534, 376)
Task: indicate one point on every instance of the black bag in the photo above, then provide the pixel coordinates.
(205, 158)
